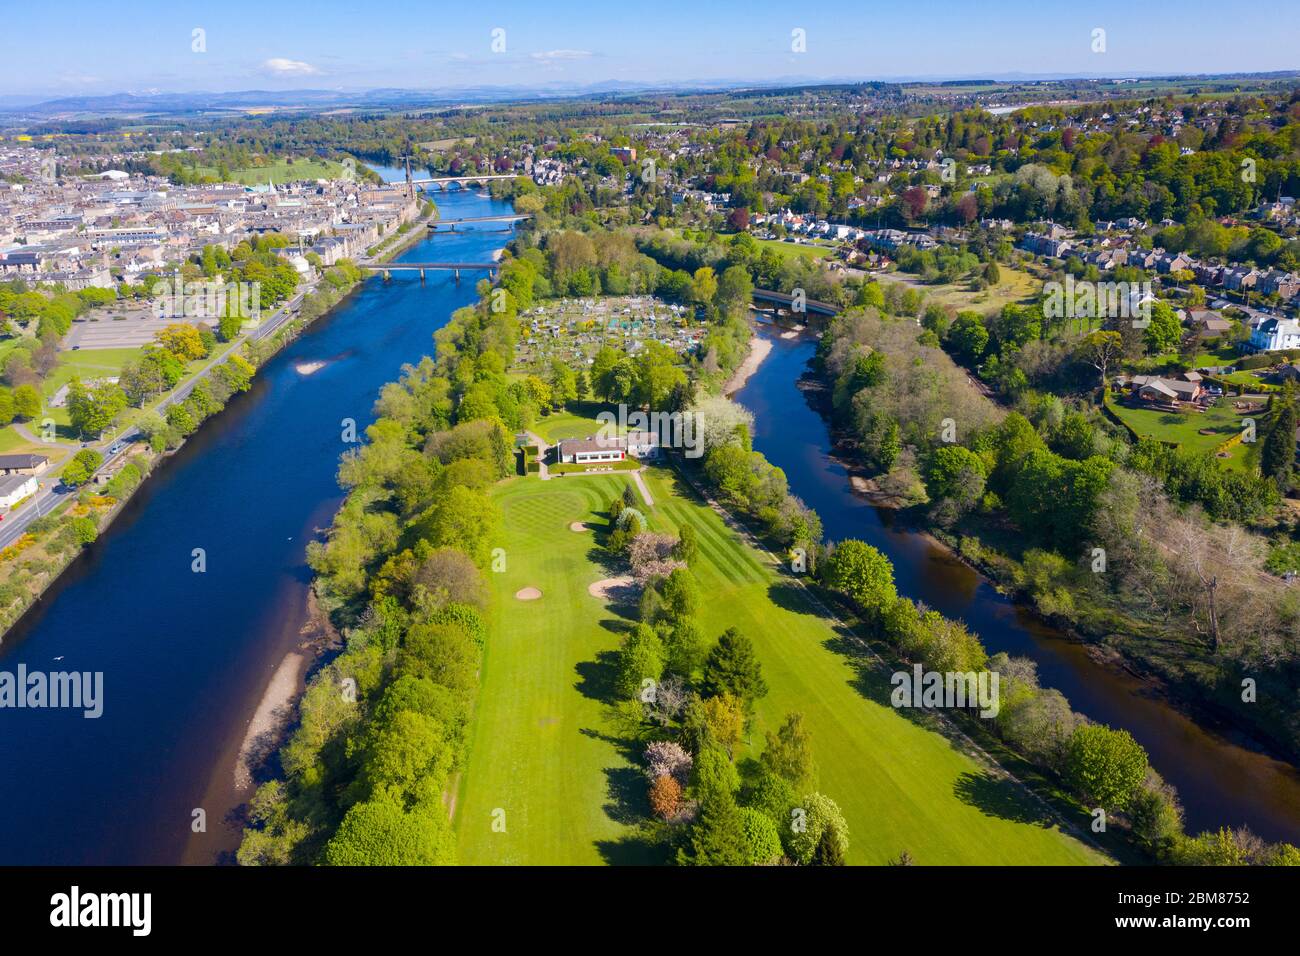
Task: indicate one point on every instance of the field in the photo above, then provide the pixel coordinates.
(87, 364)
(797, 248)
(281, 172)
(548, 751)
(1185, 427)
(569, 424)
(1016, 286)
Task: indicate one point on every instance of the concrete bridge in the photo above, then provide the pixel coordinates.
(519, 217)
(442, 182)
(782, 299)
(387, 268)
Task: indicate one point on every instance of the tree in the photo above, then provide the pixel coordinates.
(665, 797)
(1104, 766)
(724, 720)
(829, 850)
(379, 833)
(820, 814)
(182, 340)
(718, 836)
(914, 202)
(1101, 349)
(862, 572)
(762, 840)
(687, 548)
(732, 668)
(27, 402)
(681, 595)
(84, 464)
(788, 753)
(1277, 453)
(93, 409)
(968, 335)
(955, 473)
(1164, 331)
(735, 291)
(640, 659)
(704, 285)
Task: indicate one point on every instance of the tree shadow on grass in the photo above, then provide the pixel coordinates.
(999, 797)
(596, 678)
(790, 597)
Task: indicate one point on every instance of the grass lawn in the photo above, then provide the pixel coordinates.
(87, 364)
(281, 172)
(548, 752)
(12, 443)
(569, 424)
(798, 248)
(1185, 427)
(1015, 286)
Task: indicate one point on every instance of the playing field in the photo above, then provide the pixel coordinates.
(547, 752)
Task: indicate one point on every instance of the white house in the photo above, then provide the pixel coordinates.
(1274, 334)
(642, 444)
(14, 488)
(579, 451)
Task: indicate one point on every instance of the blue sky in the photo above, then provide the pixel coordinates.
(80, 47)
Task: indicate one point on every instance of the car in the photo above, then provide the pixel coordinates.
(116, 447)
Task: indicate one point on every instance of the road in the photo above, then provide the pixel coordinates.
(52, 493)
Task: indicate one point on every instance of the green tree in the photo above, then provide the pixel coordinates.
(641, 658)
(820, 815)
(862, 572)
(733, 668)
(1105, 767)
(788, 753)
(1277, 453)
(762, 841)
(27, 402)
(1164, 331)
(92, 409)
(379, 833)
(687, 547)
(718, 835)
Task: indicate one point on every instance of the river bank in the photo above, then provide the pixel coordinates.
(759, 349)
(189, 657)
(255, 345)
(1104, 649)
(1222, 780)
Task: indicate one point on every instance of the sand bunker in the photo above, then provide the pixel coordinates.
(527, 594)
(610, 589)
(578, 526)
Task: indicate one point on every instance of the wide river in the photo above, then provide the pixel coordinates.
(186, 656)
(1220, 781)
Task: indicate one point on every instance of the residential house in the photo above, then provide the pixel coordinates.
(14, 488)
(1274, 334)
(23, 464)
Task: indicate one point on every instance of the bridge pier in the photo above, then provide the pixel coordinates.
(387, 275)
(421, 277)
(458, 275)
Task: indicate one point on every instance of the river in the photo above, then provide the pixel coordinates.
(186, 656)
(1220, 782)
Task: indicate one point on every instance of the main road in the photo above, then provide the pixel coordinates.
(52, 493)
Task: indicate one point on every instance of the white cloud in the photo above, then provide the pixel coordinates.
(284, 67)
(551, 56)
